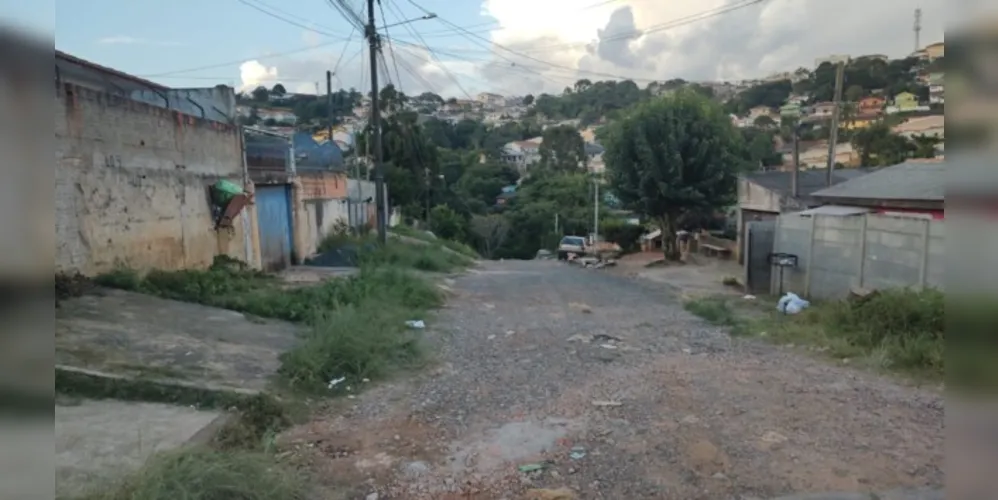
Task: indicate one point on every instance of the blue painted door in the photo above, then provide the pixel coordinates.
(273, 212)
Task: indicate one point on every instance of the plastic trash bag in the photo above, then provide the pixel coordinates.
(416, 324)
(791, 303)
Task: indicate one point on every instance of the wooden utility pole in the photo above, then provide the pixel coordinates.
(329, 106)
(795, 175)
(374, 43)
(833, 136)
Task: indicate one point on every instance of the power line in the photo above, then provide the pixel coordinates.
(247, 59)
(436, 59)
(292, 22)
(391, 50)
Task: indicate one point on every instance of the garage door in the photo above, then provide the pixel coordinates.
(273, 211)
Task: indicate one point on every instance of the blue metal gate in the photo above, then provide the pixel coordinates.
(273, 212)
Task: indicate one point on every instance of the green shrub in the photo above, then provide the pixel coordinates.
(201, 473)
(623, 234)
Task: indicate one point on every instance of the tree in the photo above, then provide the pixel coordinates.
(764, 121)
(854, 93)
(528, 99)
(562, 149)
(491, 230)
(261, 94)
(446, 223)
(279, 89)
(673, 157)
(878, 146)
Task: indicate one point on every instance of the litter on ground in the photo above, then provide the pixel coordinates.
(416, 324)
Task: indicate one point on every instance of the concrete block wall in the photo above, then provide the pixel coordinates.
(838, 253)
(131, 185)
(320, 204)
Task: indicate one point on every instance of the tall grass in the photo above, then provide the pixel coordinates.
(202, 473)
(897, 329)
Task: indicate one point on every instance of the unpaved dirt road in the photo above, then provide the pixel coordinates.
(620, 394)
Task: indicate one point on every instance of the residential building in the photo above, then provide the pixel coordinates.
(874, 57)
(816, 156)
(490, 100)
(798, 99)
(871, 105)
(522, 154)
(791, 110)
(594, 157)
(935, 50)
(832, 59)
(822, 110)
(906, 101)
(930, 126)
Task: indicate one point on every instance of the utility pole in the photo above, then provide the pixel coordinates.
(596, 210)
(833, 136)
(556, 232)
(795, 175)
(329, 106)
(379, 174)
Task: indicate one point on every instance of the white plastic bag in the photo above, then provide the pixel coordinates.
(791, 303)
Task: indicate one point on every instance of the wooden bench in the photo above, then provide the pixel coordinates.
(714, 250)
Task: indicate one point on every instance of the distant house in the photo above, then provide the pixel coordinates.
(522, 154)
(873, 104)
(905, 102)
(790, 110)
(912, 187)
(823, 110)
(935, 51)
(930, 126)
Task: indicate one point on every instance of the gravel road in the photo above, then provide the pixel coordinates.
(609, 388)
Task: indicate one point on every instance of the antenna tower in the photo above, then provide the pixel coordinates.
(918, 29)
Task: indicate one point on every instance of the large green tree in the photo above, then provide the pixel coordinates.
(672, 158)
(562, 149)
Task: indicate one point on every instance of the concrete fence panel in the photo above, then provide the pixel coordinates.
(838, 253)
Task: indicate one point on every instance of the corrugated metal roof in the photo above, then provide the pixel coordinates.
(911, 180)
(838, 210)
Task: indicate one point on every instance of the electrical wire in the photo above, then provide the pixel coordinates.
(391, 50)
(292, 22)
(247, 59)
(430, 51)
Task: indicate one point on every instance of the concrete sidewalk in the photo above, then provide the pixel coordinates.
(111, 337)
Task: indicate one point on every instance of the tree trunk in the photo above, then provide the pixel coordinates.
(670, 247)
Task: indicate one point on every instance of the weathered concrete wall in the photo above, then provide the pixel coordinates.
(132, 185)
(214, 103)
(321, 205)
(873, 251)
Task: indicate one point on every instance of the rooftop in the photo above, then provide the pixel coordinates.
(909, 181)
(808, 181)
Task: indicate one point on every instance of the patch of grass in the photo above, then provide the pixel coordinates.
(421, 257)
(900, 330)
(366, 339)
(455, 246)
(203, 473)
(715, 310)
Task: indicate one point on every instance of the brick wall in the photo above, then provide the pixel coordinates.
(131, 185)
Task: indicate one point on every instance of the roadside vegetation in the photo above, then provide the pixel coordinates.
(354, 328)
(899, 330)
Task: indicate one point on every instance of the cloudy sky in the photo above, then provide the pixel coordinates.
(504, 46)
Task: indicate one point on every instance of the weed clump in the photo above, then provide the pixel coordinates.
(203, 473)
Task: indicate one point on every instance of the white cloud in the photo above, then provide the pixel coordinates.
(770, 36)
(560, 42)
(253, 74)
(131, 40)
